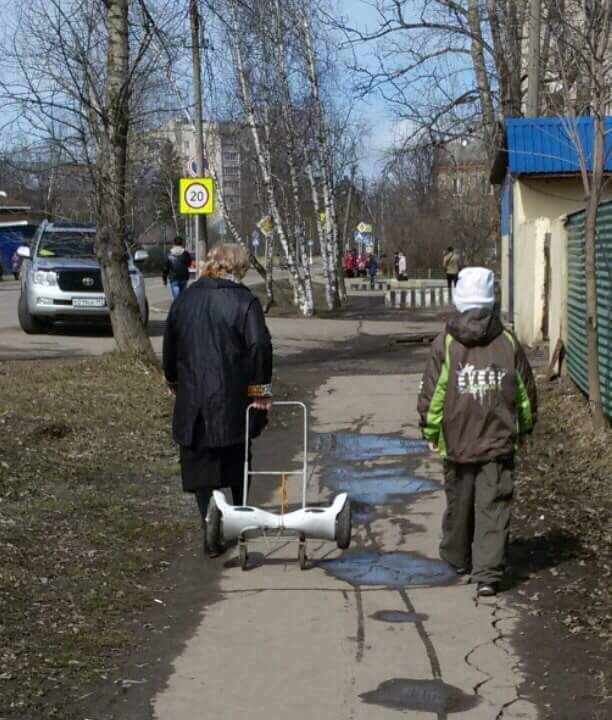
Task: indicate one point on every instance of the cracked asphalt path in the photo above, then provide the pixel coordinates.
(381, 630)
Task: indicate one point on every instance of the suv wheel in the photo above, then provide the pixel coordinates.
(29, 323)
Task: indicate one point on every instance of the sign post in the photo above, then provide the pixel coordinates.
(196, 197)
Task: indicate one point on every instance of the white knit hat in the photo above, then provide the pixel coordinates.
(475, 289)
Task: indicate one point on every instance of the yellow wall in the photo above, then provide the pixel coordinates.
(505, 275)
(557, 322)
(537, 205)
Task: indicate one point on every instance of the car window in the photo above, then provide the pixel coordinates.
(67, 244)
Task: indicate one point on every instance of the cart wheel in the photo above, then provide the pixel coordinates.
(244, 555)
(343, 526)
(302, 556)
(213, 525)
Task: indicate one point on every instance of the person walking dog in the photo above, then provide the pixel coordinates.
(478, 397)
(217, 358)
(177, 266)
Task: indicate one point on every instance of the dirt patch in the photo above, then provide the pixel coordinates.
(562, 557)
(90, 522)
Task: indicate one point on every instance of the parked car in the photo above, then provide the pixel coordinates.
(61, 279)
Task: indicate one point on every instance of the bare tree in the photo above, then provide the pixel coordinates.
(583, 39)
(445, 65)
(88, 67)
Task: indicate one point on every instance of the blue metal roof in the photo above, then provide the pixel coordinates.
(545, 145)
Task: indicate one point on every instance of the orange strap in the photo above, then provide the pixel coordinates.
(283, 493)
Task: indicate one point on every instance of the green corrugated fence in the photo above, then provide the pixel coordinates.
(576, 305)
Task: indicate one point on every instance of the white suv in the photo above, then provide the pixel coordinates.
(61, 279)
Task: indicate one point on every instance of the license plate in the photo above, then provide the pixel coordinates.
(88, 302)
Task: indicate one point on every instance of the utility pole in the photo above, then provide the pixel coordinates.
(533, 65)
(201, 226)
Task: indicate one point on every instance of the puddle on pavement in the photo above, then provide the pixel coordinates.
(362, 513)
(392, 569)
(431, 696)
(398, 616)
(348, 446)
(375, 486)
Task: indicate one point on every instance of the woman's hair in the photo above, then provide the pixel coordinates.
(227, 259)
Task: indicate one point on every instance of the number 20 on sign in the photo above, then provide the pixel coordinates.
(196, 196)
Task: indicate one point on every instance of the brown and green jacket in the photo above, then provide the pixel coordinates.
(478, 394)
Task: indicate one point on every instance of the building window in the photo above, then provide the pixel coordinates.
(231, 187)
(231, 171)
(231, 156)
(458, 186)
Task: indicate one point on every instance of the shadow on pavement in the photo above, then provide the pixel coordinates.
(529, 556)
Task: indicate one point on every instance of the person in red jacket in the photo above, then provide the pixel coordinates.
(478, 397)
(349, 265)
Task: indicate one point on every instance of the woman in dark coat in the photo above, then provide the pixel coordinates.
(217, 360)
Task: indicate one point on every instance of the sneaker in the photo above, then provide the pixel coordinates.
(486, 589)
(463, 570)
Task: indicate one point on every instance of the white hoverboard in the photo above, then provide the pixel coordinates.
(225, 522)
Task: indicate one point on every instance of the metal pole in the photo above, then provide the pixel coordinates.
(533, 66)
(201, 226)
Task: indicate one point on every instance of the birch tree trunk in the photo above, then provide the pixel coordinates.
(263, 159)
(292, 158)
(324, 152)
(128, 329)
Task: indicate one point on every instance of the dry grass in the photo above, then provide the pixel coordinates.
(564, 484)
(90, 515)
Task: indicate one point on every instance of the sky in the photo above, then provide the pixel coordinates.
(373, 110)
(384, 129)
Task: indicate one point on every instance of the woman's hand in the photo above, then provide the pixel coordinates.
(263, 403)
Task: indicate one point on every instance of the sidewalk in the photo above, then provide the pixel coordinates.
(382, 628)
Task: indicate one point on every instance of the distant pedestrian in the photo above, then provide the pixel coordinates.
(451, 263)
(16, 265)
(396, 264)
(402, 266)
(349, 265)
(362, 261)
(478, 398)
(176, 268)
(386, 265)
(217, 358)
(372, 268)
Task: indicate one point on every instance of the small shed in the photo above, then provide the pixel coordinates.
(538, 169)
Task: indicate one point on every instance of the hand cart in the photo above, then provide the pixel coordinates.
(245, 523)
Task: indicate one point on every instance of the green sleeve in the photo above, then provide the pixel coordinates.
(433, 390)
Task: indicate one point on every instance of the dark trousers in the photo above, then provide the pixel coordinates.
(476, 524)
(203, 496)
(451, 279)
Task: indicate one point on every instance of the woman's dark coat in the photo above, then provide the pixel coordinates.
(218, 352)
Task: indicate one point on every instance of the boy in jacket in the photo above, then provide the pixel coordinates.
(478, 397)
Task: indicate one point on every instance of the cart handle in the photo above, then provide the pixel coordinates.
(303, 472)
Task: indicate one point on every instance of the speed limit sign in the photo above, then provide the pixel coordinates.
(196, 196)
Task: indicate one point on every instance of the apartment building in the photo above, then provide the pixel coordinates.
(223, 156)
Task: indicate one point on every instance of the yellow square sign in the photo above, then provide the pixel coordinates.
(196, 196)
